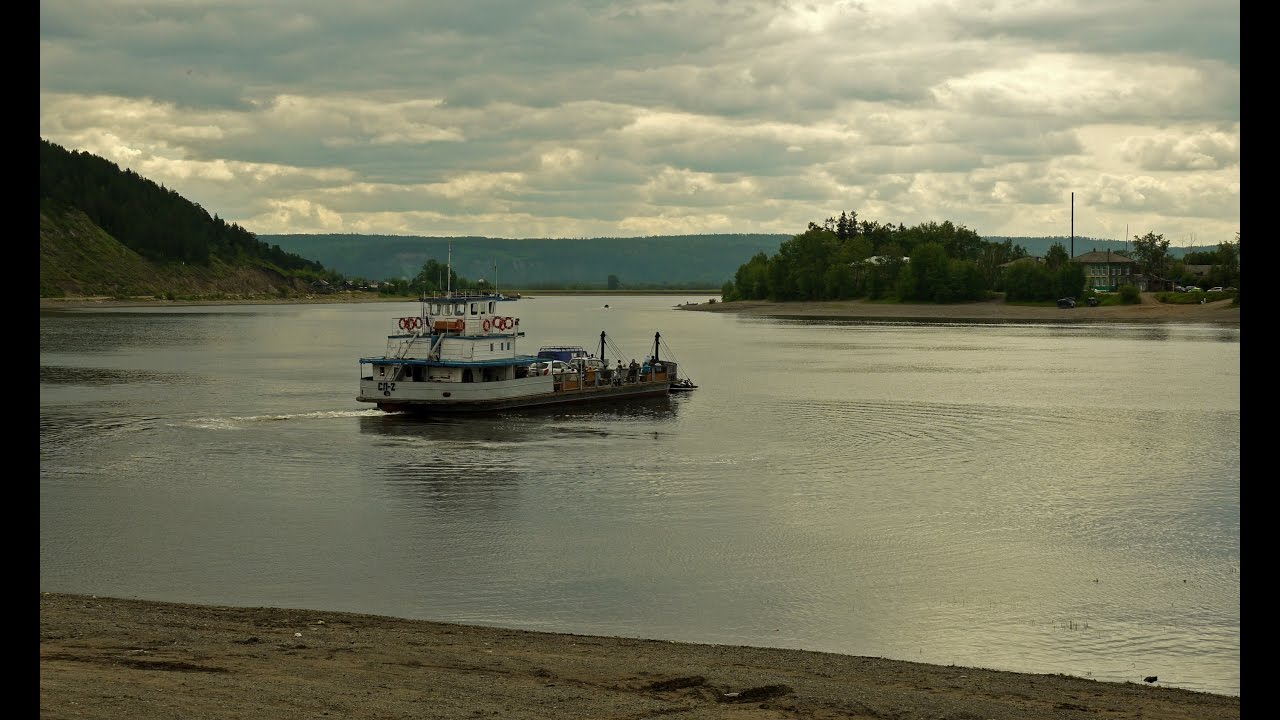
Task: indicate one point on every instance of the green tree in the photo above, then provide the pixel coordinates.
(882, 277)
(1226, 266)
(1027, 281)
(1056, 257)
(614, 283)
(926, 276)
(781, 282)
(969, 280)
(751, 282)
(435, 276)
(1152, 251)
(808, 256)
(847, 225)
(995, 254)
(858, 248)
(838, 282)
(1069, 280)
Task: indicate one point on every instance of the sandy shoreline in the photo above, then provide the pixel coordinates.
(112, 658)
(1149, 310)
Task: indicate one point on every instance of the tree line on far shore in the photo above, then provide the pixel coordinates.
(845, 258)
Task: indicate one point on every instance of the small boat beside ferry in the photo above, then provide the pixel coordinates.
(461, 354)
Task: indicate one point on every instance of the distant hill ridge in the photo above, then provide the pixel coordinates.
(706, 261)
(1040, 245)
(701, 261)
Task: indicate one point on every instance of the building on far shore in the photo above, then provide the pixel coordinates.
(1106, 271)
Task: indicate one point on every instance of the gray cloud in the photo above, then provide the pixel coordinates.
(578, 119)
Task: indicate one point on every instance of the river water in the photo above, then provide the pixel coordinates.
(1045, 498)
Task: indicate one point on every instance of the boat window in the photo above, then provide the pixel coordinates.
(490, 307)
(460, 309)
(473, 309)
(435, 308)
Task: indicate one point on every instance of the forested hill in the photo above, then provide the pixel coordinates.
(677, 261)
(107, 231)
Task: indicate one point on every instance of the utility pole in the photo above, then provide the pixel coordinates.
(1073, 224)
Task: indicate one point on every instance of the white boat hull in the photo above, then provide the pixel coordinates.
(501, 395)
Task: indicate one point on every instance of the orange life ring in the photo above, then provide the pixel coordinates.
(506, 323)
(487, 325)
(403, 324)
(417, 322)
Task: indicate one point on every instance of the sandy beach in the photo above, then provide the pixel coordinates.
(1149, 310)
(113, 658)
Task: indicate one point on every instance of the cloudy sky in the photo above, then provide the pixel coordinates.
(551, 118)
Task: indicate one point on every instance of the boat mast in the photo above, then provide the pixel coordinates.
(656, 337)
(602, 346)
(448, 273)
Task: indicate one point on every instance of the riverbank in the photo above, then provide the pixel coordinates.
(110, 658)
(1221, 312)
(1148, 310)
(342, 296)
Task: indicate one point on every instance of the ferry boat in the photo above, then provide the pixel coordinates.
(460, 354)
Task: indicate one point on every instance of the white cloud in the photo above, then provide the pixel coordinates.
(574, 120)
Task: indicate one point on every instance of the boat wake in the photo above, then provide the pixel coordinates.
(242, 422)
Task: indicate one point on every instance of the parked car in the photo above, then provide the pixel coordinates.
(548, 367)
(1179, 288)
(1215, 289)
(1066, 302)
(1092, 301)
